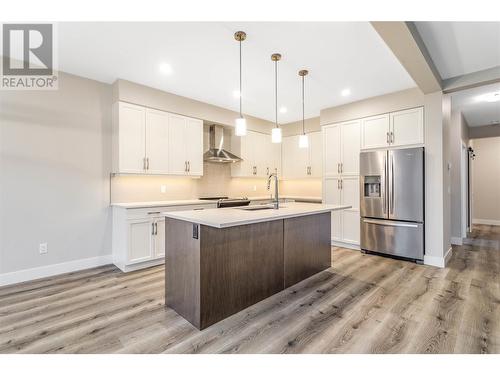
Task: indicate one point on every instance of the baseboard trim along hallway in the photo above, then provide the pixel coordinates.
(53, 270)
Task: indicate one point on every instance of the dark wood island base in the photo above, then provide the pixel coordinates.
(212, 273)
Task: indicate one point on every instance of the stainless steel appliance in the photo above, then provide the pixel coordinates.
(392, 202)
(216, 152)
(223, 202)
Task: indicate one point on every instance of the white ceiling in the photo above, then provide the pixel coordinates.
(204, 61)
(459, 48)
(476, 111)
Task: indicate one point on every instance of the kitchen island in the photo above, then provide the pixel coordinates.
(220, 261)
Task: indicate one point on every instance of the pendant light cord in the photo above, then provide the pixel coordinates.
(240, 83)
(276, 91)
(303, 124)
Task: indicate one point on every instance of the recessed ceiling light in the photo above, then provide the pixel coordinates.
(345, 92)
(283, 109)
(489, 97)
(236, 94)
(165, 69)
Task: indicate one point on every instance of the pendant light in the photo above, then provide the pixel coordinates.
(276, 132)
(303, 139)
(241, 122)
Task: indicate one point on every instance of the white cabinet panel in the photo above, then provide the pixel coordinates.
(350, 191)
(140, 240)
(276, 158)
(350, 144)
(194, 146)
(131, 138)
(350, 226)
(315, 154)
(159, 238)
(157, 142)
(407, 127)
(331, 195)
(375, 132)
(177, 145)
(331, 150)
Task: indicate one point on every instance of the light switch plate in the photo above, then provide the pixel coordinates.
(43, 248)
(163, 189)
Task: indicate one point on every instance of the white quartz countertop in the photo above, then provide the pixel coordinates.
(188, 202)
(229, 217)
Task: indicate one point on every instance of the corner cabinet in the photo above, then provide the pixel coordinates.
(260, 156)
(301, 163)
(395, 129)
(149, 141)
(341, 149)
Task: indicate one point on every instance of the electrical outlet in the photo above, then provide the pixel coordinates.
(163, 189)
(255, 188)
(42, 248)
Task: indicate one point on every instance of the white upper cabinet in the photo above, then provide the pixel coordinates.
(260, 156)
(302, 162)
(148, 141)
(129, 138)
(194, 146)
(177, 145)
(402, 128)
(341, 148)
(407, 127)
(157, 136)
(375, 132)
(315, 154)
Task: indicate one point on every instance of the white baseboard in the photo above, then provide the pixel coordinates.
(486, 221)
(347, 245)
(53, 270)
(457, 241)
(440, 262)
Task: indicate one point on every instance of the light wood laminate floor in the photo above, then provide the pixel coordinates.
(363, 304)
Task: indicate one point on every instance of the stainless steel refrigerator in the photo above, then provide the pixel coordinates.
(392, 202)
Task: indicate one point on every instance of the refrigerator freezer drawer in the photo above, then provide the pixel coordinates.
(404, 239)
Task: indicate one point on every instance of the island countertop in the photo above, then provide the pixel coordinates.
(233, 216)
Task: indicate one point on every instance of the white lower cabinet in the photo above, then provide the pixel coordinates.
(343, 190)
(138, 236)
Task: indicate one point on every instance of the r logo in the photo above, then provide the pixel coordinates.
(27, 49)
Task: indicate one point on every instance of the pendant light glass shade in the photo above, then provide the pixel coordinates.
(276, 135)
(303, 141)
(240, 123)
(240, 127)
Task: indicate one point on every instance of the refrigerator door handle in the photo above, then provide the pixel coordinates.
(391, 204)
(384, 187)
(390, 223)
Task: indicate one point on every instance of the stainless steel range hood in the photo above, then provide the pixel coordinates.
(216, 152)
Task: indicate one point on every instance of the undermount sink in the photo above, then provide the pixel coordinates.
(258, 207)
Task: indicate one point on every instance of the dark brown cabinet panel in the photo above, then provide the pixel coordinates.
(307, 246)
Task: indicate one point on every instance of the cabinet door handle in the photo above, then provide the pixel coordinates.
(144, 163)
(152, 229)
(388, 138)
(156, 228)
(341, 184)
(185, 166)
(392, 137)
(147, 163)
(341, 167)
(338, 167)
(338, 184)
(189, 166)
(267, 171)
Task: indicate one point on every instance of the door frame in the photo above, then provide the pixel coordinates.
(464, 195)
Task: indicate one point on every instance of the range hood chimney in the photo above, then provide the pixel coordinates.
(216, 152)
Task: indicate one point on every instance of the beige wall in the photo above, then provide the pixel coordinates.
(486, 181)
(373, 106)
(55, 164)
(295, 128)
(484, 131)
